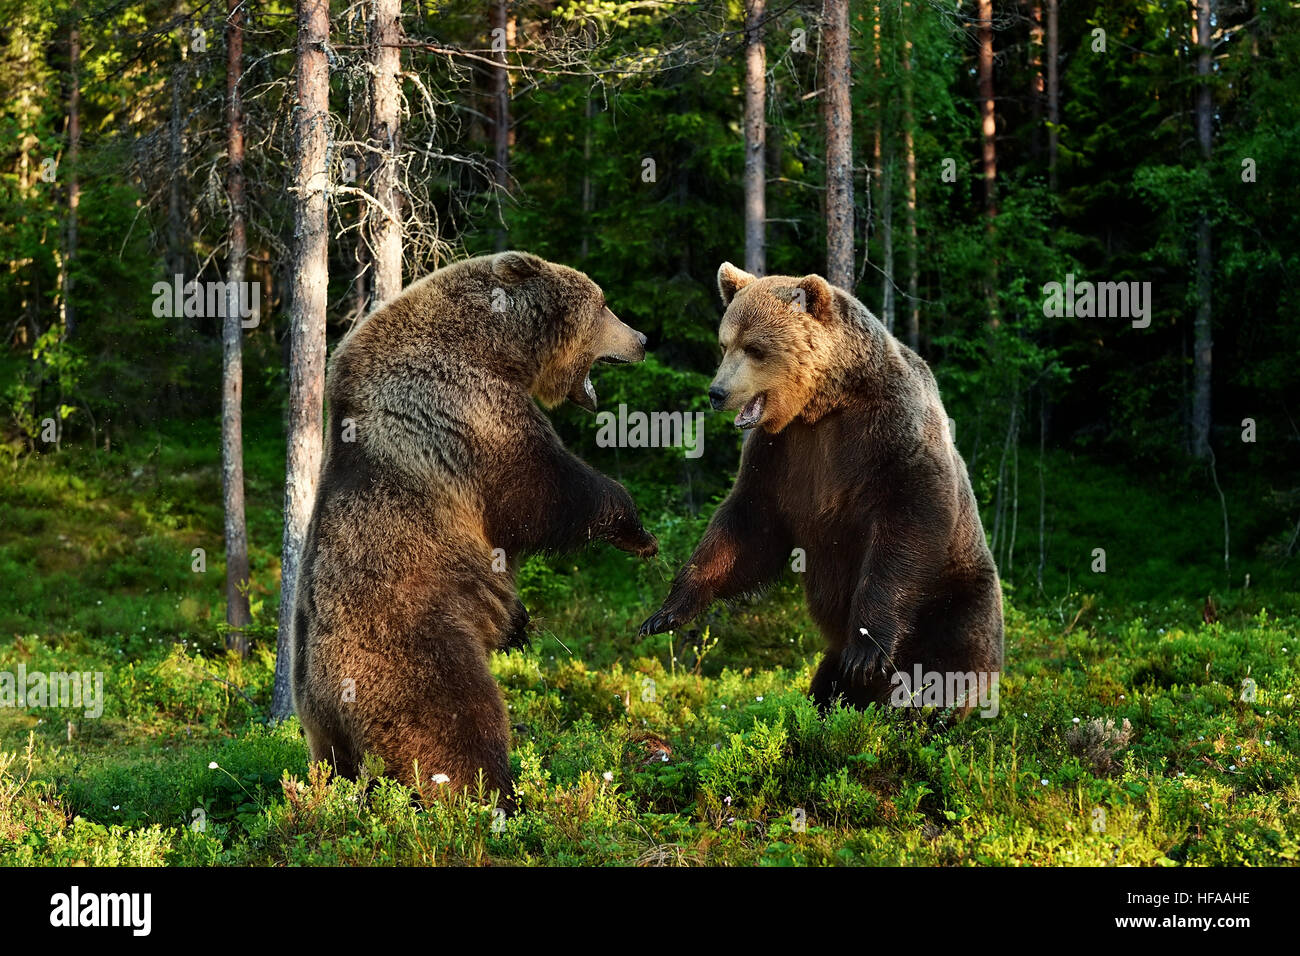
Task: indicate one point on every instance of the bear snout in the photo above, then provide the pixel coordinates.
(617, 343)
(717, 397)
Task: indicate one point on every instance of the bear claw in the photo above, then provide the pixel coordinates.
(659, 622)
(860, 664)
(519, 638)
(519, 641)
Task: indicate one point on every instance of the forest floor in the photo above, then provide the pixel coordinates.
(1129, 731)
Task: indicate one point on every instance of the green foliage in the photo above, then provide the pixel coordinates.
(736, 768)
(686, 749)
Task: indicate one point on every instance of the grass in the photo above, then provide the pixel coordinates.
(1130, 730)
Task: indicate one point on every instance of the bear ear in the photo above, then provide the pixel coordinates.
(731, 280)
(516, 266)
(818, 296)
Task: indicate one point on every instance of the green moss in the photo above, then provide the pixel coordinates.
(686, 749)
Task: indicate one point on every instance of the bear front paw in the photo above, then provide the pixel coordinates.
(518, 638)
(661, 621)
(864, 659)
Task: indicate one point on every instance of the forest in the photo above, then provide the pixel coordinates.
(1081, 214)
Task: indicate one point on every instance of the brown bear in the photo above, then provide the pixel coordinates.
(440, 470)
(848, 457)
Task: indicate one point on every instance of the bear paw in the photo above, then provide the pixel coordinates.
(518, 638)
(864, 659)
(662, 620)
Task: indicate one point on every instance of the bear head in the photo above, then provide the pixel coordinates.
(576, 328)
(780, 338)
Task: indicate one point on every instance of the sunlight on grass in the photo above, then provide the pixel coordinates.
(693, 748)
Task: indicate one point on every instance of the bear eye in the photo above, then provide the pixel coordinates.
(756, 353)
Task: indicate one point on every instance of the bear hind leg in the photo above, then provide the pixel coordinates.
(830, 683)
(451, 738)
(827, 682)
(329, 744)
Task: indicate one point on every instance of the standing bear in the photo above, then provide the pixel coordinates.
(848, 458)
(439, 472)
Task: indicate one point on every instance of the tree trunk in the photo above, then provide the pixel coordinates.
(502, 137)
(755, 140)
(1053, 88)
(909, 149)
(989, 128)
(588, 116)
(1203, 350)
(887, 307)
(1042, 487)
(882, 199)
(1009, 570)
(361, 303)
(1036, 85)
(238, 615)
(359, 128)
(839, 145)
(27, 114)
(306, 317)
(988, 116)
(74, 184)
(878, 78)
(384, 33)
(175, 199)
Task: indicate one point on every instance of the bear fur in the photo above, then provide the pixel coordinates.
(848, 457)
(440, 471)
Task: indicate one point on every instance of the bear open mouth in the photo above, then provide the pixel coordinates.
(613, 360)
(751, 413)
(583, 394)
